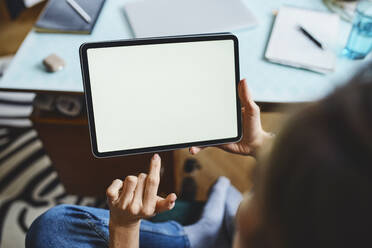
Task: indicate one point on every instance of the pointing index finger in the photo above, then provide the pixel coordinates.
(155, 166)
(152, 184)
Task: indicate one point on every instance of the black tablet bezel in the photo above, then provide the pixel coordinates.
(150, 41)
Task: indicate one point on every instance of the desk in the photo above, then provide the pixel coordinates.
(268, 82)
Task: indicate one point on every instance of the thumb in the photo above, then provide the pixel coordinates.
(246, 98)
(165, 204)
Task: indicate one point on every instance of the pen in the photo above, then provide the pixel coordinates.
(310, 37)
(79, 10)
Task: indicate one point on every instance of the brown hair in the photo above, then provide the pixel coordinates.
(316, 186)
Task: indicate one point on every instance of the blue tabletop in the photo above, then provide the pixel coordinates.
(268, 82)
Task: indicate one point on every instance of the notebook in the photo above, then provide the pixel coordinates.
(150, 18)
(289, 46)
(59, 17)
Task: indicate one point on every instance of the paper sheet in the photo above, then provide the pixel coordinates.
(289, 46)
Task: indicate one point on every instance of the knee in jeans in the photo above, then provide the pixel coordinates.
(46, 226)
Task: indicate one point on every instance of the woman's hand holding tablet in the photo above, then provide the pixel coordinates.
(253, 134)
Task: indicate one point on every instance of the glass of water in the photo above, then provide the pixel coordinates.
(360, 38)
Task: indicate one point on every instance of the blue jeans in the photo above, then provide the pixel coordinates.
(78, 226)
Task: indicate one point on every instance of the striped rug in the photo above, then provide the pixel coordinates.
(29, 185)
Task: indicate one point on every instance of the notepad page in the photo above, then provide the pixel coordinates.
(287, 45)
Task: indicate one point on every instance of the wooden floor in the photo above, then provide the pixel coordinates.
(214, 162)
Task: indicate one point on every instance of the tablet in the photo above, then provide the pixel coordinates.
(150, 95)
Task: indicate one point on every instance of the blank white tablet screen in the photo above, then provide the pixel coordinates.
(163, 94)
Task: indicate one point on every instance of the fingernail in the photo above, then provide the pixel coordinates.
(156, 156)
(175, 197)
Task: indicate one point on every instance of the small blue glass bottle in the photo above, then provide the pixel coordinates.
(359, 44)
